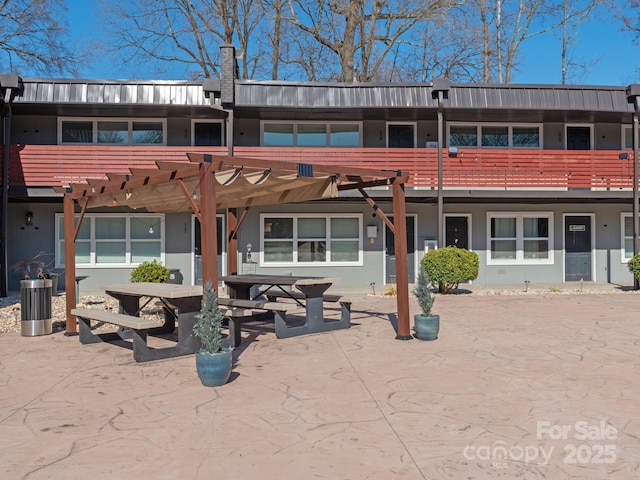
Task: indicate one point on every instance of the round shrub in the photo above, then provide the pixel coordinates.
(634, 266)
(447, 267)
(150, 272)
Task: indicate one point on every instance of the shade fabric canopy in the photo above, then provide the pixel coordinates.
(234, 188)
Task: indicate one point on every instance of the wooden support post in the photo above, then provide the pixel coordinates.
(402, 269)
(70, 262)
(208, 227)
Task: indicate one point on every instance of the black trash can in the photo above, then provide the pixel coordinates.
(175, 276)
(35, 306)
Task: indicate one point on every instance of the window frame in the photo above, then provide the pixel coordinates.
(295, 125)
(414, 125)
(59, 249)
(194, 121)
(623, 237)
(328, 238)
(130, 121)
(520, 239)
(623, 137)
(510, 127)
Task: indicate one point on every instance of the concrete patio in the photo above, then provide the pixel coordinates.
(537, 385)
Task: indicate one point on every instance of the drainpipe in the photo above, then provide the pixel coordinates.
(440, 90)
(10, 86)
(633, 96)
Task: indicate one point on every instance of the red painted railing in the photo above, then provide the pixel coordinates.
(495, 169)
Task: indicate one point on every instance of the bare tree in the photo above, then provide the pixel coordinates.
(573, 13)
(360, 34)
(33, 38)
(182, 32)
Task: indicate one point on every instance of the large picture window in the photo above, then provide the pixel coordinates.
(519, 238)
(311, 239)
(494, 136)
(114, 240)
(112, 131)
(311, 134)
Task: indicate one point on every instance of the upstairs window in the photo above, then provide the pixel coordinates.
(311, 134)
(112, 131)
(494, 136)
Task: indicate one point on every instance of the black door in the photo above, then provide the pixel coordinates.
(457, 232)
(197, 249)
(577, 248)
(390, 256)
(401, 136)
(578, 138)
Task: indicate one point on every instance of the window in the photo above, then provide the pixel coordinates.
(627, 237)
(118, 131)
(520, 238)
(114, 240)
(311, 239)
(310, 134)
(627, 137)
(494, 136)
(206, 133)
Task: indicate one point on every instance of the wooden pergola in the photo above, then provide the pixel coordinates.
(207, 183)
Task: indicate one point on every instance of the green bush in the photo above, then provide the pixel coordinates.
(447, 267)
(150, 272)
(634, 266)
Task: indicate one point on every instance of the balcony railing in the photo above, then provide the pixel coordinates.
(494, 169)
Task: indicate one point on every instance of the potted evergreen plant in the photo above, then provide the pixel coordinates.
(213, 362)
(426, 325)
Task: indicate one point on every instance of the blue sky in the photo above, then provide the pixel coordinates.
(598, 39)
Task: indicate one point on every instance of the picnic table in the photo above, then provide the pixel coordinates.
(310, 296)
(180, 303)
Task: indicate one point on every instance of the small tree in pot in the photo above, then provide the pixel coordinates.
(213, 363)
(426, 325)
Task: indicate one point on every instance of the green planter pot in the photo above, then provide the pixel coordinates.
(427, 327)
(214, 369)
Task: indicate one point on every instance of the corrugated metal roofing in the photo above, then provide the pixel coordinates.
(330, 95)
(112, 93)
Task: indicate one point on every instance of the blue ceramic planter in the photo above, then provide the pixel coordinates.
(427, 327)
(214, 369)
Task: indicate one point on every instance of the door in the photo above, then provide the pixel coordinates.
(457, 231)
(577, 248)
(197, 250)
(390, 252)
(401, 135)
(578, 138)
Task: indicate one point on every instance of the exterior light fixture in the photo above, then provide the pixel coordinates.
(28, 220)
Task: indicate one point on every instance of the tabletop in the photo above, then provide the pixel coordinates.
(150, 289)
(277, 279)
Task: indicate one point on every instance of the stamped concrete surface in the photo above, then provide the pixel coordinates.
(516, 387)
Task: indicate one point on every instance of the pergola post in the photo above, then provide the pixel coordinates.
(208, 226)
(402, 269)
(69, 262)
(232, 241)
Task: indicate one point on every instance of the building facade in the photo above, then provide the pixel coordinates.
(536, 179)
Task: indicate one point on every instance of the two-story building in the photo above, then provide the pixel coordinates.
(536, 179)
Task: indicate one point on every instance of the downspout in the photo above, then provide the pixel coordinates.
(10, 86)
(440, 90)
(633, 96)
